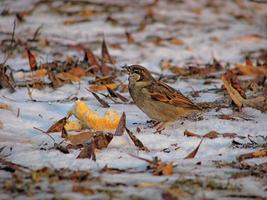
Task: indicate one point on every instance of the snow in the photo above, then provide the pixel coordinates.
(196, 30)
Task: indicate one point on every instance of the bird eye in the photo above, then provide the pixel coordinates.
(136, 71)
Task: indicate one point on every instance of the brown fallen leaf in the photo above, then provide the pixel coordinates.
(64, 133)
(56, 83)
(101, 101)
(136, 141)
(194, 152)
(6, 79)
(103, 87)
(211, 135)
(100, 139)
(92, 60)
(77, 71)
(250, 38)
(84, 190)
(256, 154)
(157, 166)
(129, 37)
(32, 60)
(121, 126)
(259, 102)
(117, 95)
(191, 134)
(88, 152)
(80, 138)
(105, 53)
(58, 126)
(104, 69)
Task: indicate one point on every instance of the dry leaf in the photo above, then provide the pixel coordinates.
(121, 126)
(105, 54)
(40, 73)
(117, 95)
(136, 141)
(259, 102)
(88, 152)
(66, 76)
(176, 41)
(101, 101)
(5, 106)
(211, 135)
(81, 138)
(250, 38)
(129, 37)
(158, 167)
(193, 153)
(191, 134)
(58, 126)
(102, 140)
(54, 80)
(98, 88)
(84, 190)
(77, 71)
(256, 154)
(6, 79)
(32, 60)
(92, 60)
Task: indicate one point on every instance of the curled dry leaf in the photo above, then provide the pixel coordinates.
(58, 126)
(136, 141)
(256, 154)
(121, 126)
(193, 153)
(32, 60)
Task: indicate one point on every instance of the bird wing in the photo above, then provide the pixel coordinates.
(162, 92)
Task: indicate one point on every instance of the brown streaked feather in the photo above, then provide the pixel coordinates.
(159, 91)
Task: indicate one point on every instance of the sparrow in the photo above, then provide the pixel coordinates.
(157, 100)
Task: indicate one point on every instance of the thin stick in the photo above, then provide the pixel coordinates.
(38, 129)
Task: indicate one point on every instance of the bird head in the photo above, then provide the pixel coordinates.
(138, 73)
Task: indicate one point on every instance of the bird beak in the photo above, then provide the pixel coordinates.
(126, 69)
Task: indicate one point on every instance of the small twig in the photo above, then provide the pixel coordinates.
(38, 129)
(18, 113)
(11, 43)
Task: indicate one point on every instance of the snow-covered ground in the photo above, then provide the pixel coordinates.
(226, 30)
